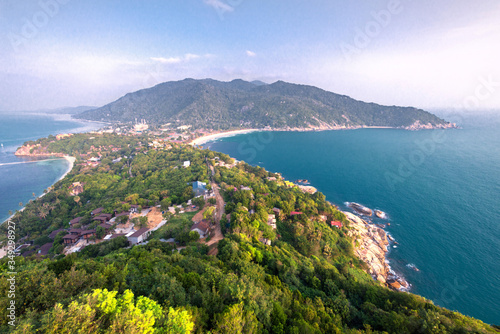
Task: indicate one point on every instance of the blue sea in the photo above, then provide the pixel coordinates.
(23, 179)
(440, 189)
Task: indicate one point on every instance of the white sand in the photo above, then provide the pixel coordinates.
(215, 136)
(71, 161)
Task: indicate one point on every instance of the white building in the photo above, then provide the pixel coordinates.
(139, 236)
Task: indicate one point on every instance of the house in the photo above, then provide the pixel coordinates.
(337, 224)
(295, 213)
(75, 231)
(87, 234)
(105, 226)
(271, 221)
(71, 239)
(186, 164)
(276, 211)
(53, 234)
(44, 250)
(75, 221)
(122, 214)
(265, 241)
(271, 178)
(134, 208)
(199, 188)
(202, 228)
(139, 236)
(103, 217)
(245, 188)
(96, 211)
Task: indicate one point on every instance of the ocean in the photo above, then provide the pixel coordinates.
(440, 189)
(23, 179)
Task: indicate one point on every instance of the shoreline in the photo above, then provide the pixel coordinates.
(71, 160)
(371, 245)
(224, 134)
(214, 136)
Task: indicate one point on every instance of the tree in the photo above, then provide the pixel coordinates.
(194, 236)
(209, 213)
(199, 201)
(100, 232)
(236, 320)
(178, 322)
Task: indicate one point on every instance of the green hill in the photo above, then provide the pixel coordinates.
(222, 105)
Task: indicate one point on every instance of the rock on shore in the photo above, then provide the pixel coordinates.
(371, 247)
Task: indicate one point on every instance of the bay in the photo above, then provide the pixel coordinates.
(23, 179)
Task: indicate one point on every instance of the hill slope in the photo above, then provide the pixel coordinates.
(221, 105)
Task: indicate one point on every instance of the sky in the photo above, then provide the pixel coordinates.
(438, 54)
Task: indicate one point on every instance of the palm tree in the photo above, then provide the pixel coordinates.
(21, 204)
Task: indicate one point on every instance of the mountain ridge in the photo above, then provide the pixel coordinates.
(213, 104)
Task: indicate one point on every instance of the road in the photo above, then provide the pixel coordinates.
(219, 211)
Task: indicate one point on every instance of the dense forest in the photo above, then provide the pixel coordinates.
(305, 280)
(213, 104)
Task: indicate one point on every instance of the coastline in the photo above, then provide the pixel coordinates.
(324, 127)
(371, 245)
(214, 136)
(71, 160)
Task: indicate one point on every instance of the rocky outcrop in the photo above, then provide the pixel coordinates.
(35, 151)
(419, 126)
(371, 246)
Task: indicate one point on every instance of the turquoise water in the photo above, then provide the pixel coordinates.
(21, 177)
(440, 188)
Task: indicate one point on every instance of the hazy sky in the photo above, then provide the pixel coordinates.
(428, 54)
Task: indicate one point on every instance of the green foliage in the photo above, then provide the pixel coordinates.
(223, 105)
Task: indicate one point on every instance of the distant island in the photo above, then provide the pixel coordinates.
(215, 105)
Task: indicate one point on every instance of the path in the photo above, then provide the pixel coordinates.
(219, 211)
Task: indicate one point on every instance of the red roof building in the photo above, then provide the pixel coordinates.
(336, 224)
(294, 213)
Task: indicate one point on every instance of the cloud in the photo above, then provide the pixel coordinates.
(250, 53)
(176, 60)
(171, 60)
(219, 5)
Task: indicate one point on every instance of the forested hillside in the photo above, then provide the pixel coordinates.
(219, 105)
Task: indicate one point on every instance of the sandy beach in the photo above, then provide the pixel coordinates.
(71, 161)
(215, 136)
